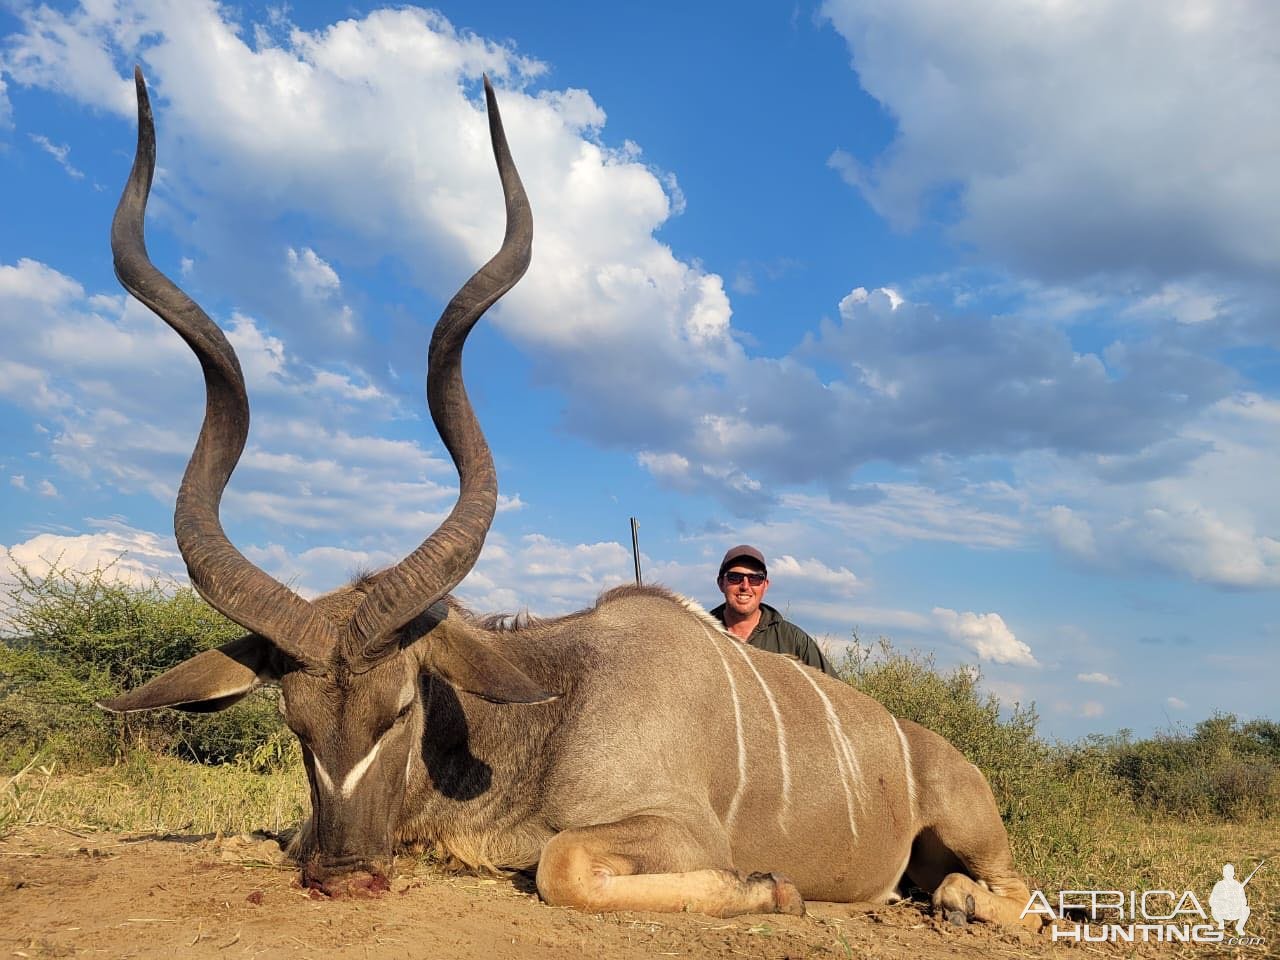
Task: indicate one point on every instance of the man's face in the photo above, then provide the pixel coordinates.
(743, 597)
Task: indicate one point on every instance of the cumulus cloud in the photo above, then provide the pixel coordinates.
(986, 635)
(1211, 521)
(816, 575)
(1098, 678)
(320, 285)
(918, 382)
(607, 311)
(121, 552)
(1093, 159)
(1175, 703)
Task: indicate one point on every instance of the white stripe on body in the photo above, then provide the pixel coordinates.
(784, 758)
(906, 763)
(846, 762)
(737, 721)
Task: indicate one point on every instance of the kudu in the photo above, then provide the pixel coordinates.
(634, 753)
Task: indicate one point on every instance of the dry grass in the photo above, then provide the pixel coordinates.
(157, 794)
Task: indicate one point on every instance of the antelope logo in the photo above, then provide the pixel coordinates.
(633, 754)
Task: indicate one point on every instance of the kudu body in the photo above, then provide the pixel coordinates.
(635, 754)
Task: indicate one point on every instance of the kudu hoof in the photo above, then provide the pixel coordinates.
(786, 898)
(961, 918)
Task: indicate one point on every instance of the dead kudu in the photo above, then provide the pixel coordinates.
(634, 753)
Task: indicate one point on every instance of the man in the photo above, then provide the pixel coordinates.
(744, 580)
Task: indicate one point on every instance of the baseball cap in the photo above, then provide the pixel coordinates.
(742, 551)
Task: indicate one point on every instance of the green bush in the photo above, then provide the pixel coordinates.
(1223, 768)
(71, 638)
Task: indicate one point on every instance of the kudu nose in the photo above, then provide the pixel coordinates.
(348, 876)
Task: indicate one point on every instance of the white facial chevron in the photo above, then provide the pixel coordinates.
(356, 773)
(354, 776)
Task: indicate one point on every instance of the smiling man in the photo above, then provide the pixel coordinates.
(744, 580)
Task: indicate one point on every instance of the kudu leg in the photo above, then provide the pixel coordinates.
(961, 853)
(966, 863)
(1001, 903)
(652, 863)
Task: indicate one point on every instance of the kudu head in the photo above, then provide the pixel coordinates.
(350, 663)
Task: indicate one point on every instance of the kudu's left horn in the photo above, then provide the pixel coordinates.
(221, 574)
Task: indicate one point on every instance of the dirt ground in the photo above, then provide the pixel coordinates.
(65, 894)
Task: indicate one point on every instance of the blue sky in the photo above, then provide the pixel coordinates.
(965, 313)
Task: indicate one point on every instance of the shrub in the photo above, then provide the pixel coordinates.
(1223, 768)
(70, 638)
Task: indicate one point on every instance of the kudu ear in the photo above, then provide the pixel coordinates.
(473, 667)
(206, 683)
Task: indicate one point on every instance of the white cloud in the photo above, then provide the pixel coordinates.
(986, 635)
(30, 280)
(1071, 532)
(1098, 678)
(814, 573)
(1085, 709)
(894, 512)
(1174, 703)
(1210, 519)
(1094, 159)
(314, 277)
(538, 573)
(320, 286)
(59, 152)
(547, 575)
(70, 54)
(18, 481)
(122, 552)
(123, 395)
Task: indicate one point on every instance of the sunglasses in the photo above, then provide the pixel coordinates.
(735, 577)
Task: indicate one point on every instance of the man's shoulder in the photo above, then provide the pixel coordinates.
(769, 616)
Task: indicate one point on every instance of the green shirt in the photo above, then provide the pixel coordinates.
(776, 635)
